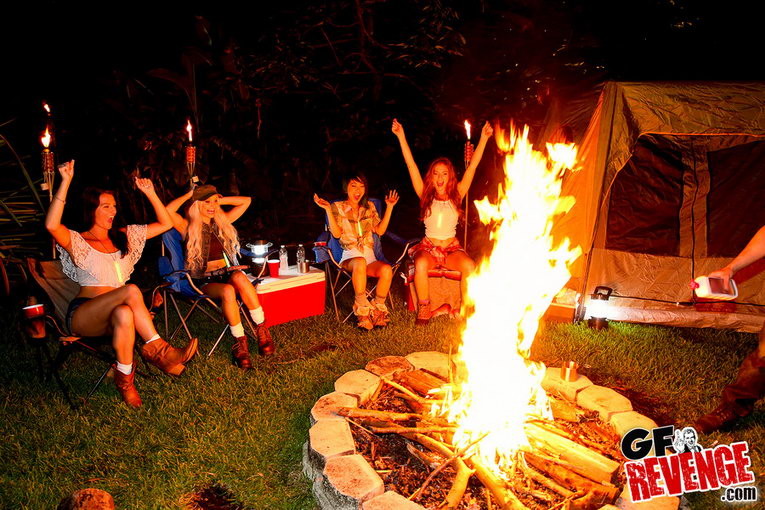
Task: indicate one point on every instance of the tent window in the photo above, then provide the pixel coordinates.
(643, 214)
(735, 206)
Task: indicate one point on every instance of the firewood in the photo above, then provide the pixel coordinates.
(583, 460)
(543, 480)
(398, 429)
(408, 392)
(459, 485)
(569, 479)
(355, 412)
(586, 502)
(552, 427)
(429, 459)
(419, 381)
(506, 499)
(563, 410)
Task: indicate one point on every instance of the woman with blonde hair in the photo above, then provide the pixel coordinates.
(441, 196)
(212, 243)
(101, 260)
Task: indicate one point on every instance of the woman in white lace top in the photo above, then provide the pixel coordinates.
(101, 260)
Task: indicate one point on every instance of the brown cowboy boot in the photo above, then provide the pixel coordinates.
(167, 358)
(739, 397)
(124, 384)
(380, 314)
(240, 354)
(266, 345)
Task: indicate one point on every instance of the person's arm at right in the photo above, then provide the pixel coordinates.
(53, 220)
(753, 252)
(414, 172)
(179, 222)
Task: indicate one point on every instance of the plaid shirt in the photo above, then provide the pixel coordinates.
(356, 233)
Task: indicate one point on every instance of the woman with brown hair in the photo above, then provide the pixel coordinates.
(101, 260)
(212, 243)
(441, 196)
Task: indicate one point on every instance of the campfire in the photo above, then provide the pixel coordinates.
(483, 433)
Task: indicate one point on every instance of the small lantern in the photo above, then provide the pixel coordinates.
(597, 308)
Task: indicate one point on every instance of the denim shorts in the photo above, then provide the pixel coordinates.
(74, 305)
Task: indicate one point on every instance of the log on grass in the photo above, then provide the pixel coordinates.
(570, 479)
(583, 460)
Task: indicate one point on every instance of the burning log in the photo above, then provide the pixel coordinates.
(584, 461)
(459, 485)
(388, 416)
(507, 500)
(570, 479)
(543, 480)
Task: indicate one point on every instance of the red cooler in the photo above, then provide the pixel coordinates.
(292, 295)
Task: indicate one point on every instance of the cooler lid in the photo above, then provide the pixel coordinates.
(289, 279)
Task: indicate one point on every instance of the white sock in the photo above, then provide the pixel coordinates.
(257, 315)
(237, 331)
(155, 337)
(125, 369)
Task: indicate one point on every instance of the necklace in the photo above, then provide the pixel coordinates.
(116, 263)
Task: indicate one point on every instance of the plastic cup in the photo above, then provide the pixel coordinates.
(273, 268)
(35, 315)
(303, 267)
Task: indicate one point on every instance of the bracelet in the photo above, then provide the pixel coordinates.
(60, 200)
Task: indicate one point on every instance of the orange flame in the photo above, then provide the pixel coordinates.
(188, 128)
(497, 388)
(46, 107)
(467, 129)
(45, 138)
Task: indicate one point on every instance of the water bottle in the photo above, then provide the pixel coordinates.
(283, 259)
(300, 254)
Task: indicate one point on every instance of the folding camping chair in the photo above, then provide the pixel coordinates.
(60, 290)
(329, 252)
(178, 285)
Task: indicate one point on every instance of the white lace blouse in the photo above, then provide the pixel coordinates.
(92, 268)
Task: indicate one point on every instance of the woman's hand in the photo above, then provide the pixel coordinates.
(66, 170)
(392, 198)
(321, 202)
(144, 185)
(725, 274)
(397, 128)
(487, 130)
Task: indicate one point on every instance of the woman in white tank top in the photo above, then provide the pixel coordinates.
(101, 260)
(440, 195)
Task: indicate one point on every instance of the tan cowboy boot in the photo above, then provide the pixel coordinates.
(167, 358)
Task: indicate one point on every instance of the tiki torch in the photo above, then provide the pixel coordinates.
(47, 163)
(468, 157)
(191, 156)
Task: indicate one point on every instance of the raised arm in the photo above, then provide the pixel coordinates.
(390, 201)
(240, 205)
(180, 223)
(334, 228)
(414, 172)
(467, 179)
(751, 253)
(53, 220)
(163, 223)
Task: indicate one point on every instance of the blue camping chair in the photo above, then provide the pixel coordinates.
(179, 285)
(330, 252)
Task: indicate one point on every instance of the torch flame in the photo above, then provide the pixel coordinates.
(497, 388)
(45, 138)
(467, 129)
(188, 128)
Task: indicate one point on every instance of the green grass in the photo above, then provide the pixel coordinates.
(217, 424)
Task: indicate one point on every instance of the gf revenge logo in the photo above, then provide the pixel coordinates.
(652, 472)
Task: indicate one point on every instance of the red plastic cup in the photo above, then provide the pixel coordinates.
(273, 268)
(35, 315)
(32, 311)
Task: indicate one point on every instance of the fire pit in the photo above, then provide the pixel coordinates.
(359, 456)
(486, 416)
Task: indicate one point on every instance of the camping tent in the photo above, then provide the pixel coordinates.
(671, 186)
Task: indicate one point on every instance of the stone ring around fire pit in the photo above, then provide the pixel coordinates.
(343, 479)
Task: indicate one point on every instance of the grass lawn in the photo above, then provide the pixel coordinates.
(244, 431)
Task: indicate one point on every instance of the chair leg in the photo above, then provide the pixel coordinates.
(327, 270)
(98, 383)
(182, 318)
(215, 346)
(164, 307)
